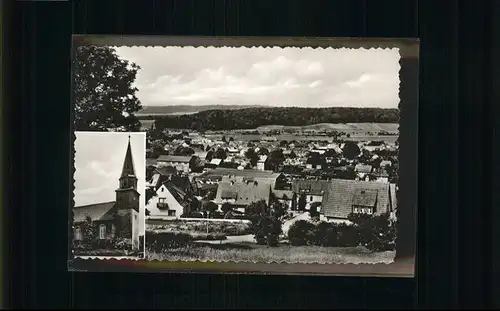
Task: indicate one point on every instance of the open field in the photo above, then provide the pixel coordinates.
(260, 253)
(290, 137)
(345, 127)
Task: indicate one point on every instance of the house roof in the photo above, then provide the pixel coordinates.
(342, 194)
(312, 187)
(380, 172)
(128, 168)
(151, 162)
(172, 158)
(243, 192)
(98, 212)
(182, 182)
(365, 197)
(281, 193)
(363, 168)
(243, 173)
(216, 161)
(166, 170)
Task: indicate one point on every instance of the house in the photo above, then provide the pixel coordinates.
(362, 171)
(117, 218)
(181, 163)
(215, 162)
(380, 174)
(261, 163)
(151, 162)
(284, 196)
(266, 176)
(385, 163)
(242, 191)
(343, 197)
(313, 190)
(170, 201)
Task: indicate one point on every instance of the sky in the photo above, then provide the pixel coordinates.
(289, 77)
(99, 160)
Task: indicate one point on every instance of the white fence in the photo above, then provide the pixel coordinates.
(197, 219)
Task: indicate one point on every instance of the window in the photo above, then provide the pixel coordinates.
(162, 200)
(135, 217)
(113, 230)
(102, 232)
(311, 198)
(78, 234)
(171, 213)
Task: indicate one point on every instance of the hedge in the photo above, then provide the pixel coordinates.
(376, 233)
(158, 241)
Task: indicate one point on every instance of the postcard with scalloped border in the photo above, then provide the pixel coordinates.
(244, 155)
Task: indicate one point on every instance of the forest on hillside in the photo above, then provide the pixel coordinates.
(251, 118)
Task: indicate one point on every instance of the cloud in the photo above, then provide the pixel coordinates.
(266, 76)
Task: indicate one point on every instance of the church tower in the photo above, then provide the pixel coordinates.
(127, 201)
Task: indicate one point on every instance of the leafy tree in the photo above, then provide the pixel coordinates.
(302, 202)
(301, 232)
(226, 207)
(221, 153)
(89, 231)
(104, 97)
(251, 155)
(351, 150)
(294, 201)
(263, 151)
(292, 155)
(209, 156)
(224, 139)
(326, 234)
(313, 210)
(231, 139)
(195, 205)
(150, 193)
(184, 151)
(195, 164)
(158, 147)
(283, 143)
(275, 159)
(210, 207)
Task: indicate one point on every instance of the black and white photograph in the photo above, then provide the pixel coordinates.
(108, 212)
(283, 155)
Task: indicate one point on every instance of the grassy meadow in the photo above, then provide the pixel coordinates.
(260, 253)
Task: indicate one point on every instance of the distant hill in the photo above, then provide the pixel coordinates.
(251, 118)
(345, 127)
(183, 109)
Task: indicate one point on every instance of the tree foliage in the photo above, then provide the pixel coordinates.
(351, 150)
(250, 118)
(302, 202)
(104, 97)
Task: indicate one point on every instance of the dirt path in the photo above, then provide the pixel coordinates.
(289, 222)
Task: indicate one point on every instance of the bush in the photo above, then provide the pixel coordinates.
(326, 234)
(347, 235)
(158, 241)
(377, 233)
(301, 232)
(209, 236)
(313, 210)
(266, 229)
(192, 215)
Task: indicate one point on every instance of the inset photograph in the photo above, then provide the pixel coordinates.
(109, 180)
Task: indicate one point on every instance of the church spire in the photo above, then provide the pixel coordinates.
(128, 164)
